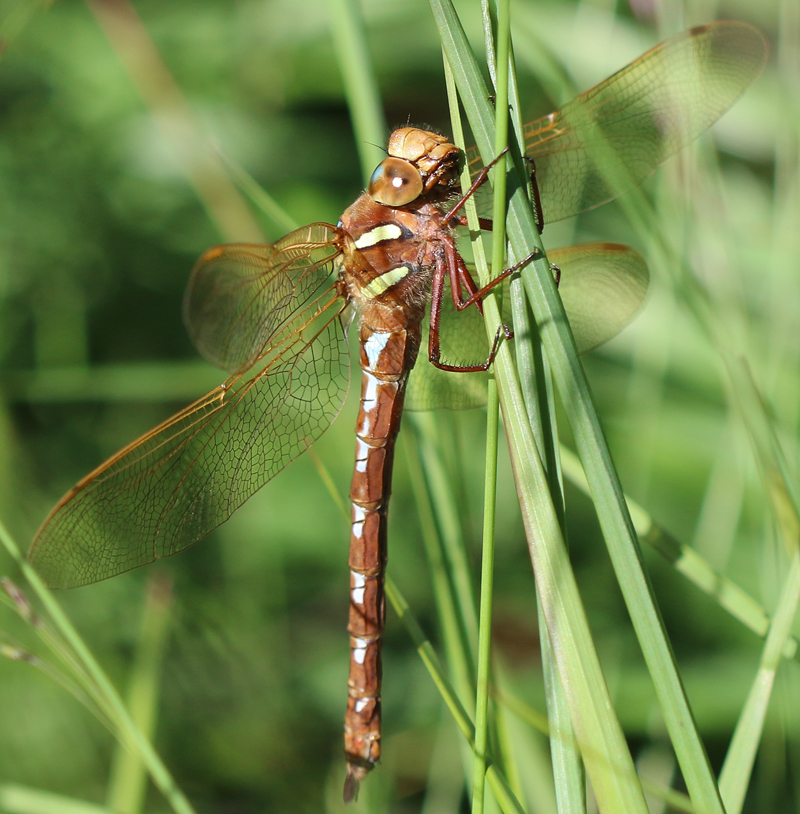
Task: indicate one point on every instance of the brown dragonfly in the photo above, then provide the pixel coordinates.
(276, 316)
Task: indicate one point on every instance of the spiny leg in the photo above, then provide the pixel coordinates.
(480, 179)
(537, 201)
(445, 265)
(457, 267)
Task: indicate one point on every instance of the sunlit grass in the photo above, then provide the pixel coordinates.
(99, 233)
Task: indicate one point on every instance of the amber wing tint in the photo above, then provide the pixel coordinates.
(613, 136)
(240, 295)
(603, 286)
(175, 484)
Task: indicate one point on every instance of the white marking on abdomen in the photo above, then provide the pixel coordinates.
(387, 231)
(371, 394)
(359, 518)
(362, 451)
(375, 345)
(360, 651)
(357, 591)
(362, 704)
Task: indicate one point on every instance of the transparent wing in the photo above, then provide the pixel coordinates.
(240, 295)
(613, 136)
(175, 484)
(462, 338)
(603, 286)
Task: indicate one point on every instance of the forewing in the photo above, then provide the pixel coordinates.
(613, 136)
(602, 286)
(240, 295)
(175, 484)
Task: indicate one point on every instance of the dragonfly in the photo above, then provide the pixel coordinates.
(276, 318)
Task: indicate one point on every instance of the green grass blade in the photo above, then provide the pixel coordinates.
(499, 785)
(128, 773)
(133, 45)
(738, 766)
(569, 777)
(687, 562)
(256, 194)
(492, 423)
(360, 84)
(537, 389)
(485, 615)
(617, 526)
(101, 688)
(126, 382)
(16, 799)
(454, 637)
(447, 516)
(603, 744)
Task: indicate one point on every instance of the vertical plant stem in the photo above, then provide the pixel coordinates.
(485, 614)
(492, 426)
(135, 49)
(128, 774)
(361, 86)
(738, 766)
(499, 785)
(444, 502)
(453, 634)
(597, 729)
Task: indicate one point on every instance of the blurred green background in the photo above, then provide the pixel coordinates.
(107, 197)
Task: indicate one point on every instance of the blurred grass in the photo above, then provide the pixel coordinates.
(99, 229)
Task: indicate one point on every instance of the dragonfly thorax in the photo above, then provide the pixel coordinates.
(391, 254)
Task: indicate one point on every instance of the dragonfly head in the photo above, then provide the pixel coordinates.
(419, 162)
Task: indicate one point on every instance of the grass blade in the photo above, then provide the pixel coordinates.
(16, 799)
(128, 773)
(101, 688)
(360, 84)
(738, 766)
(137, 52)
(563, 606)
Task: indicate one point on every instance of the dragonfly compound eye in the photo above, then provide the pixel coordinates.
(395, 182)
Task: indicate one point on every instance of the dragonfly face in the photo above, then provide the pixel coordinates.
(270, 315)
(419, 162)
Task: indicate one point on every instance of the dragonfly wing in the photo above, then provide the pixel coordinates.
(602, 286)
(240, 295)
(175, 484)
(613, 136)
(462, 336)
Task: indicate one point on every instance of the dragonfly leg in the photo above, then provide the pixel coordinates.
(486, 226)
(460, 276)
(480, 179)
(537, 201)
(476, 295)
(485, 223)
(453, 265)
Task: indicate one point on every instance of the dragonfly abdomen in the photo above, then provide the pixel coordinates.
(386, 359)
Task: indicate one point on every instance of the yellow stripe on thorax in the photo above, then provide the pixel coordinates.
(376, 287)
(387, 231)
